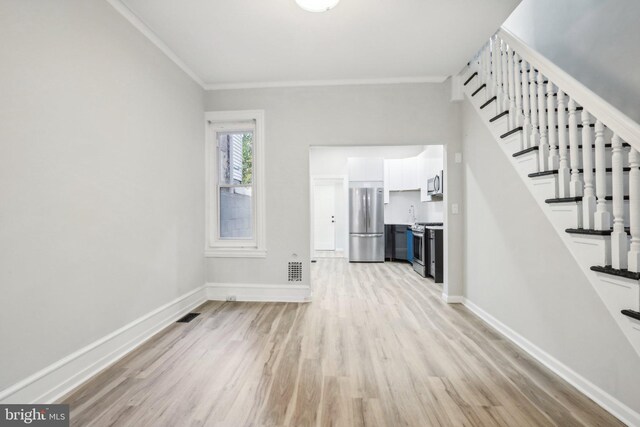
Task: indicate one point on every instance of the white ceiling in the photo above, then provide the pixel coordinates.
(272, 42)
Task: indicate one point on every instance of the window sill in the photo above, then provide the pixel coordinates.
(235, 253)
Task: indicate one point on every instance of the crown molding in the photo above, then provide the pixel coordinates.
(130, 16)
(335, 82)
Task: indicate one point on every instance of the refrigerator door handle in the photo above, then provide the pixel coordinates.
(368, 209)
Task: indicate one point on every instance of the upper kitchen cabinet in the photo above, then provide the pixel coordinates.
(403, 174)
(365, 169)
(431, 162)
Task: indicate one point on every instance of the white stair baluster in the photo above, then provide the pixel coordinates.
(542, 118)
(526, 107)
(553, 132)
(575, 184)
(589, 198)
(499, 74)
(602, 217)
(517, 76)
(619, 242)
(512, 90)
(634, 210)
(494, 65)
(533, 100)
(505, 77)
(563, 165)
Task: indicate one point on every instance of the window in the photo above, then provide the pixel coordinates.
(235, 182)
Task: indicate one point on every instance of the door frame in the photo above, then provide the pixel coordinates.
(327, 180)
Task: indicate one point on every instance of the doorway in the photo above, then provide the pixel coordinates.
(328, 217)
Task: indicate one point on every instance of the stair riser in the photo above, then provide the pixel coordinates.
(595, 250)
(566, 215)
(545, 187)
(620, 294)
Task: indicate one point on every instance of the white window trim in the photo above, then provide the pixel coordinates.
(215, 247)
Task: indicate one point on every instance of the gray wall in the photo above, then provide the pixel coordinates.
(101, 179)
(297, 118)
(595, 41)
(518, 270)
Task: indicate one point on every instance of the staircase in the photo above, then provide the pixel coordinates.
(578, 156)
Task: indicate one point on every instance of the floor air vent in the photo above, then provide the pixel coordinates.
(295, 271)
(188, 318)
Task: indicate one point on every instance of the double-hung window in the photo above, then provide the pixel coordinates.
(235, 184)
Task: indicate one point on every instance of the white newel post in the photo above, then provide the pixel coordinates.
(602, 217)
(512, 90)
(517, 75)
(505, 77)
(553, 132)
(563, 166)
(634, 210)
(575, 184)
(542, 118)
(533, 100)
(619, 242)
(526, 107)
(589, 198)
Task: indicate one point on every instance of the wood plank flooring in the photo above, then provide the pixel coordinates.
(376, 347)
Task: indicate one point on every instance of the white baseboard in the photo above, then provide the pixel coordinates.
(59, 378)
(601, 397)
(452, 299)
(258, 292)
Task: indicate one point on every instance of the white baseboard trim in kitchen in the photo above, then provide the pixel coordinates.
(601, 397)
(452, 299)
(59, 378)
(258, 292)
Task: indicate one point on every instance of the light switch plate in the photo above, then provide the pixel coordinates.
(458, 158)
(455, 209)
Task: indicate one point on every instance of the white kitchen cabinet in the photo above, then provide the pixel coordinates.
(410, 179)
(365, 169)
(395, 175)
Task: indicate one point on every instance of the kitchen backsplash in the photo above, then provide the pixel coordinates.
(397, 210)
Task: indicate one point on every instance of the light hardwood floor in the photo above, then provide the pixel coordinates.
(376, 347)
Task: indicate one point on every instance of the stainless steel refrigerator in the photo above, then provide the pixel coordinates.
(366, 224)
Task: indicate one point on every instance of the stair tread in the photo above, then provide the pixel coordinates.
(544, 173)
(504, 113)
(607, 269)
(493, 98)
(555, 172)
(631, 313)
(588, 232)
(482, 86)
(526, 150)
(471, 78)
(575, 199)
(511, 132)
(564, 200)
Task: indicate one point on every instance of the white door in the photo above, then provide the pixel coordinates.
(324, 217)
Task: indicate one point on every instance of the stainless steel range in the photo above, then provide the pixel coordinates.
(420, 262)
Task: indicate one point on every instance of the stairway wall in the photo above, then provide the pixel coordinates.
(518, 270)
(595, 41)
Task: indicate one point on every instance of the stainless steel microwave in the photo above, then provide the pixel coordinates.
(435, 185)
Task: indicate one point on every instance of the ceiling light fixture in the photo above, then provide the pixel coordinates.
(317, 5)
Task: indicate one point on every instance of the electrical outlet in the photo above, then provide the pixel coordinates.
(231, 298)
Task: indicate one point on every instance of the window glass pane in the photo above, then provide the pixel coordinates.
(235, 154)
(236, 213)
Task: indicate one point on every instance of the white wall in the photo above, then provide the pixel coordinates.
(595, 41)
(519, 271)
(333, 160)
(298, 118)
(101, 165)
